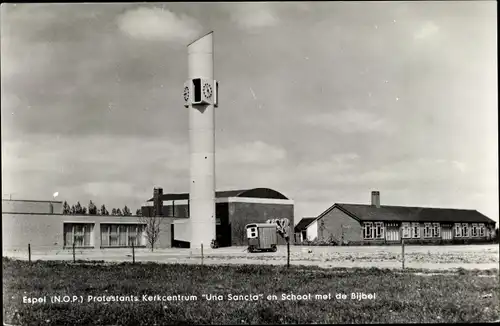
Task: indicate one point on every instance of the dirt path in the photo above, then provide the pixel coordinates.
(425, 257)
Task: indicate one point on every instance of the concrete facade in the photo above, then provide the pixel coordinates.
(201, 140)
(47, 231)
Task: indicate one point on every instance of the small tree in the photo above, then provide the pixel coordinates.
(126, 211)
(72, 211)
(119, 212)
(84, 210)
(321, 229)
(92, 208)
(78, 208)
(138, 212)
(283, 229)
(113, 212)
(66, 208)
(104, 211)
(151, 227)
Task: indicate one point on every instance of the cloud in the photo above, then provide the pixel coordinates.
(123, 170)
(103, 189)
(427, 30)
(119, 170)
(412, 182)
(350, 121)
(252, 16)
(158, 24)
(256, 152)
(83, 64)
(462, 167)
(317, 170)
(344, 158)
(349, 171)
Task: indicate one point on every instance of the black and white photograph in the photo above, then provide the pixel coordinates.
(231, 163)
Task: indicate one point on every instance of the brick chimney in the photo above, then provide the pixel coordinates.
(376, 198)
(158, 201)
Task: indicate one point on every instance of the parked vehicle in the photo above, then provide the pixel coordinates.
(262, 237)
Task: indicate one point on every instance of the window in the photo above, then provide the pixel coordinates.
(474, 230)
(415, 230)
(406, 230)
(379, 230)
(465, 230)
(458, 230)
(436, 230)
(122, 235)
(373, 230)
(427, 230)
(367, 230)
(79, 234)
(481, 230)
(252, 232)
(113, 235)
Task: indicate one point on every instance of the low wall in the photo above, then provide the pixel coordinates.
(32, 206)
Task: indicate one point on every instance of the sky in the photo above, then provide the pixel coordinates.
(322, 101)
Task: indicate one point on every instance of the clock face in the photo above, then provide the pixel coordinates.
(207, 90)
(186, 93)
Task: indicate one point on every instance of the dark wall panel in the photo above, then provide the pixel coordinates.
(223, 229)
(241, 214)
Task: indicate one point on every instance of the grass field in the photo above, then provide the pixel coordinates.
(466, 296)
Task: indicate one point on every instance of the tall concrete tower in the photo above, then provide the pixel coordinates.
(200, 97)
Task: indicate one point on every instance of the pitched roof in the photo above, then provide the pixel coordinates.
(409, 214)
(252, 193)
(304, 222)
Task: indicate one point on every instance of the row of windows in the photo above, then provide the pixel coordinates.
(112, 235)
(410, 230)
(375, 230)
(463, 230)
(170, 211)
(124, 235)
(79, 234)
(177, 211)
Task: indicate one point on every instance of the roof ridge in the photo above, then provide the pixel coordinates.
(365, 212)
(416, 207)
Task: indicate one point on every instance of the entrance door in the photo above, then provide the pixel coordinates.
(446, 233)
(392, 233)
